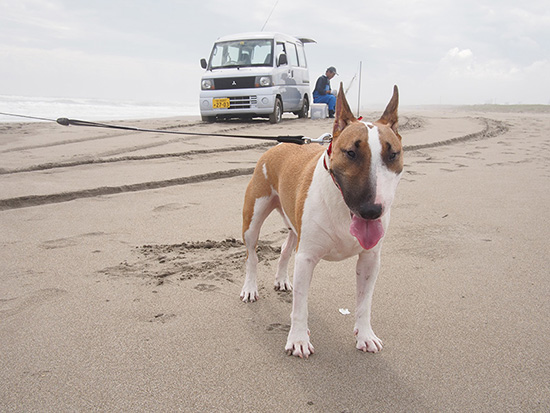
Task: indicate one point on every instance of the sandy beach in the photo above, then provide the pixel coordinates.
(122, 263)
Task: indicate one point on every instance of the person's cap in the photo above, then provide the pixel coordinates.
(332, 69)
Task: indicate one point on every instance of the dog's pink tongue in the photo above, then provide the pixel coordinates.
(367, 232)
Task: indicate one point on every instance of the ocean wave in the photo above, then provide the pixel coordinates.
(91, 109)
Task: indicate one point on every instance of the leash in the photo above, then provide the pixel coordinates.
(296, 139)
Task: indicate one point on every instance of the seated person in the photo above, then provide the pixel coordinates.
(323, 93)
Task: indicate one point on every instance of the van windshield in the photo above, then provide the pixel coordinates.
(242, 53)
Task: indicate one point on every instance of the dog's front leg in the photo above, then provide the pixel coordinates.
(368, 266)
(298, 343)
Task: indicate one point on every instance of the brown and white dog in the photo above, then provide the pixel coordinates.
(336, 204)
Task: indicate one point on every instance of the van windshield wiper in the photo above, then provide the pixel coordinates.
(238, 66)
(226, 67)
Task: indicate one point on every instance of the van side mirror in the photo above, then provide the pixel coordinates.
(203, 63)
(282, 60)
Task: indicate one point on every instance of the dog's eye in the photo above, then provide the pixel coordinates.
(394, 155)
(351, 154)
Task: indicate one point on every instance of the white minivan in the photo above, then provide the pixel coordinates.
(255, 75)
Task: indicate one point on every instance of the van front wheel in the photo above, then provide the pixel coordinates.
(277, 114)
(304, 112)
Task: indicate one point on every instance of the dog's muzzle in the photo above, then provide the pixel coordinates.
(371, 211)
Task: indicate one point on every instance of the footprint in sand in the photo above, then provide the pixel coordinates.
(207, 288)
(68, 242)
(285, 296)
(278, 327)
(170, 207)
(13, 306)
(161, 318)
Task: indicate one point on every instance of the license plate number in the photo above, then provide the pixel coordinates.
(220, 103)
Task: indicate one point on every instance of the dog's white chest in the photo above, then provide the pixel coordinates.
(326, 220)
(343, 249)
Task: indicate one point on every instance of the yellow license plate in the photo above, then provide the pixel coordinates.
(220, 103)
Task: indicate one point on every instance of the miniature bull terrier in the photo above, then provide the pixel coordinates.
(336, 204)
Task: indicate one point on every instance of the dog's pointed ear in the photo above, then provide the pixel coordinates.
(389, 117)
(343, 116)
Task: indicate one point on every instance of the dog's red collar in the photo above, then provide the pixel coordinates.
(327, 153)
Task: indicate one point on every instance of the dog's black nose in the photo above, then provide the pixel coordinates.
(371, 211)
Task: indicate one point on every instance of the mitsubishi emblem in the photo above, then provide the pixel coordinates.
(234, 83)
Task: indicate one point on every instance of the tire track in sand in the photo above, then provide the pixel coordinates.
(107, 135)
(409, 123)
(195, 152)
(492, 128)
(35, 200)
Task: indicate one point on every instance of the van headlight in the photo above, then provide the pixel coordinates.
(263, 81)
(207, 84)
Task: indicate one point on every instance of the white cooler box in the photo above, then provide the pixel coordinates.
(319, 110)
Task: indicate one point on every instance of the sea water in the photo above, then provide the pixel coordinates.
(91, 109)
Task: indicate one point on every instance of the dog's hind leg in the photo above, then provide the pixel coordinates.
(255, 211)
(282, 282)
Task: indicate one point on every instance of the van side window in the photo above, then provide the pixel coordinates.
(302, 56)
(280, 49)
(292, 54)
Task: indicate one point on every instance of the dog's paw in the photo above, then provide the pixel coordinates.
(368, 342)
(284, 285)
(299, 346)
(249, 295)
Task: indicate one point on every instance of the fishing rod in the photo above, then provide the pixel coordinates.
(359, 92)
(350, 83)
(268, 17)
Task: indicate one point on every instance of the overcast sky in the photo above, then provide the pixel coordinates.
(436, 51)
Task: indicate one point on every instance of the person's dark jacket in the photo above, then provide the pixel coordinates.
(321, 85)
